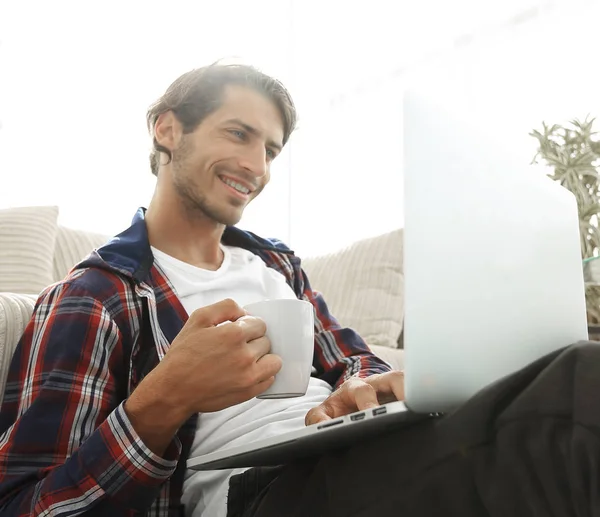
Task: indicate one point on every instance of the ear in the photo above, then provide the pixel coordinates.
(168, 130)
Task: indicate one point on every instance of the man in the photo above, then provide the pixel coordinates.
(143, 353)
(106, 385)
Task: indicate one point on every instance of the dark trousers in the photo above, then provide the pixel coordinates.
(528, 445)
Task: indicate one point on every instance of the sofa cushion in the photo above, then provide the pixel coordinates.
(363, 286)
(15, 313)
(71, 247)
(393, 356)
(27, 240)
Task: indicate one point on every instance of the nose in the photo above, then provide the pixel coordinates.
(254, 160)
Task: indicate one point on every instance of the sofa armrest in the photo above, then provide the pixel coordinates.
(15, 313)
(393, 356)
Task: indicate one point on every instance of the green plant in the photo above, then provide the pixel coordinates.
(573, 153)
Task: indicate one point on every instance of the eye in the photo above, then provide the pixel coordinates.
(238, 133)
(271, 154)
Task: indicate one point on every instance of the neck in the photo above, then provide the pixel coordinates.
(173, 231)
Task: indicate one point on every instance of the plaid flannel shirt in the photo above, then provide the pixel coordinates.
(67, 446)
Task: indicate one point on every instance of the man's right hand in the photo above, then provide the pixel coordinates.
(219, 359)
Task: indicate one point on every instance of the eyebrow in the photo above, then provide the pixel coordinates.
(253, 131)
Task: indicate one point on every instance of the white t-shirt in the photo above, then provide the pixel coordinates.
(245, 278)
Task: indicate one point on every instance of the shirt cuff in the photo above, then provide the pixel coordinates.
(120, 461)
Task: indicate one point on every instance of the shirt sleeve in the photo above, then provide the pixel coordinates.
(340, 353)
(67, 446)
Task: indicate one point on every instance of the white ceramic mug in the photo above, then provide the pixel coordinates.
(290, 328)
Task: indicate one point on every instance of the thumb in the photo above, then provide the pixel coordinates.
(217, 313)
(318, 414)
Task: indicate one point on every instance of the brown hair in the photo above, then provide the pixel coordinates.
(199, 92)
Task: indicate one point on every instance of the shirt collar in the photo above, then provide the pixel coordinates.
(129, 252)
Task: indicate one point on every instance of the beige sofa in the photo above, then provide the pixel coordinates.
(362, 283)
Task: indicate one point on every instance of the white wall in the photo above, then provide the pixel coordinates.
(505, 75)
(346, 175)
(508, 82)
(76, 79)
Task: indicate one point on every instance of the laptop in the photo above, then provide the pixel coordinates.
(493, 281)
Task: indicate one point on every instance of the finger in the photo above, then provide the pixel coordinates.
(261, 387)
(389, 386)
(252, 327)
(212, 315)
(317, 414)
(397, 383)
(364, 395)
(259, 347)
(268, 366)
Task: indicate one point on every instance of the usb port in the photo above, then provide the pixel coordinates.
(330, 424)
(357, 416)
(379, 411)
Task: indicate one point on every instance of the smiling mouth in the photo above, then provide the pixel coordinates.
(238, 187)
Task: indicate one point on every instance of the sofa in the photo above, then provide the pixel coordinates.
(362, 283)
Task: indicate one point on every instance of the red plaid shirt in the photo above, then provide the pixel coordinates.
(66, 445)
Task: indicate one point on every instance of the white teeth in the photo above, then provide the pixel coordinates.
(236, 186)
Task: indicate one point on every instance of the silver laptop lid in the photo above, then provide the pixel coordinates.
(493, 271)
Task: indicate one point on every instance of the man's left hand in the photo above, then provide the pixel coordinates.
(359, 394)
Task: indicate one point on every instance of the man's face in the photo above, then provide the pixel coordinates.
(225, 162)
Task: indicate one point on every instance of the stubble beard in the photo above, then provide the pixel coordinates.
(194, 202)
